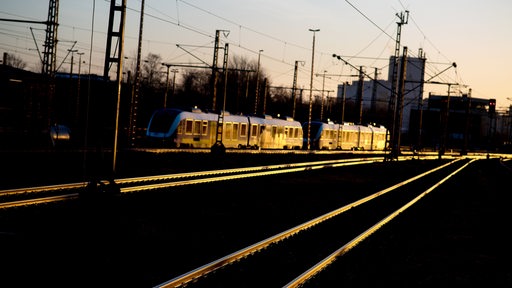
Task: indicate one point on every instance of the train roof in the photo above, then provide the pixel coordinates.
(268, 120)
(346, 126)
(378, 128)
(198, 114)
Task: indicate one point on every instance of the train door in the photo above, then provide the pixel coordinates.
(227, 139)
(365, 138)
(185, 139)
(350, 138)
(254, 136)
(243, 139)
(277, 137)
(198, 139)
(235, 136)
(211, 134)
(264, 134)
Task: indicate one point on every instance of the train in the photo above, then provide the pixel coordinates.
(194, 128)
(178, 128)
(344, 136)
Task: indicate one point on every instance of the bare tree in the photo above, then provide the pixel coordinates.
(195, 88)
(15, 61)
(151, 72)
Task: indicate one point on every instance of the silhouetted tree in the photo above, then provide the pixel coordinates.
(195, 89)
(14, 61)
(151, 73)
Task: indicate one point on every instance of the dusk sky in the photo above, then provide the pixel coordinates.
(476, 35)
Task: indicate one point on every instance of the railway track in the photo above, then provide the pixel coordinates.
(212, 237)
(52, 193)
(261, 264)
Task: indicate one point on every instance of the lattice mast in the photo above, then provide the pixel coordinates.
(115, 57)
(50, 42)
(392, 109)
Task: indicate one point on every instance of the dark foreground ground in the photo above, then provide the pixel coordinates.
(456, 237)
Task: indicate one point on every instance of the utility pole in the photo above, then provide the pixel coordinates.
(256, 97)
(373, 103)
(294, 87)
(392, 99)
(166, 84)
(322, 98)
(50, 42)
(174, 71)
(215, 68)
(467, 107)
(343, 96)
(77, 112)
(444, 122)
(265, 92)
(395, 149)
(116, 58)
(311, 88)
(50, 56)
(132, 129)
(72, 60)
(218, 147)
(360, 88)
(420, 100)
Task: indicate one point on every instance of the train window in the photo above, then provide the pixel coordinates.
(197, 127)
(280, 130)
(161, 122)
(180, 127)
(228, 130)
(235, 130)
(274, 131)
(243, 130)
(204, 132)
(188, 126)
(287, 132)
(254, 130)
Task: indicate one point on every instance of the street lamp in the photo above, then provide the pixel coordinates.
(295, 84)
(78, 82)
(311, 87)
(322, 101)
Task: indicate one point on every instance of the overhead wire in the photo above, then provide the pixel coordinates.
(179, 23)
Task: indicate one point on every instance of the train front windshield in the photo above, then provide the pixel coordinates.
(162, 121)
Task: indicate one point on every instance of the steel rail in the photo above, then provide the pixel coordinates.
(42, 200)
(166, 177)
(185, 278)
(241, 173)
(301, 279)
(244, 174)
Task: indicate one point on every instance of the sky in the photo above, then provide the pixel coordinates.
(475, 35)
